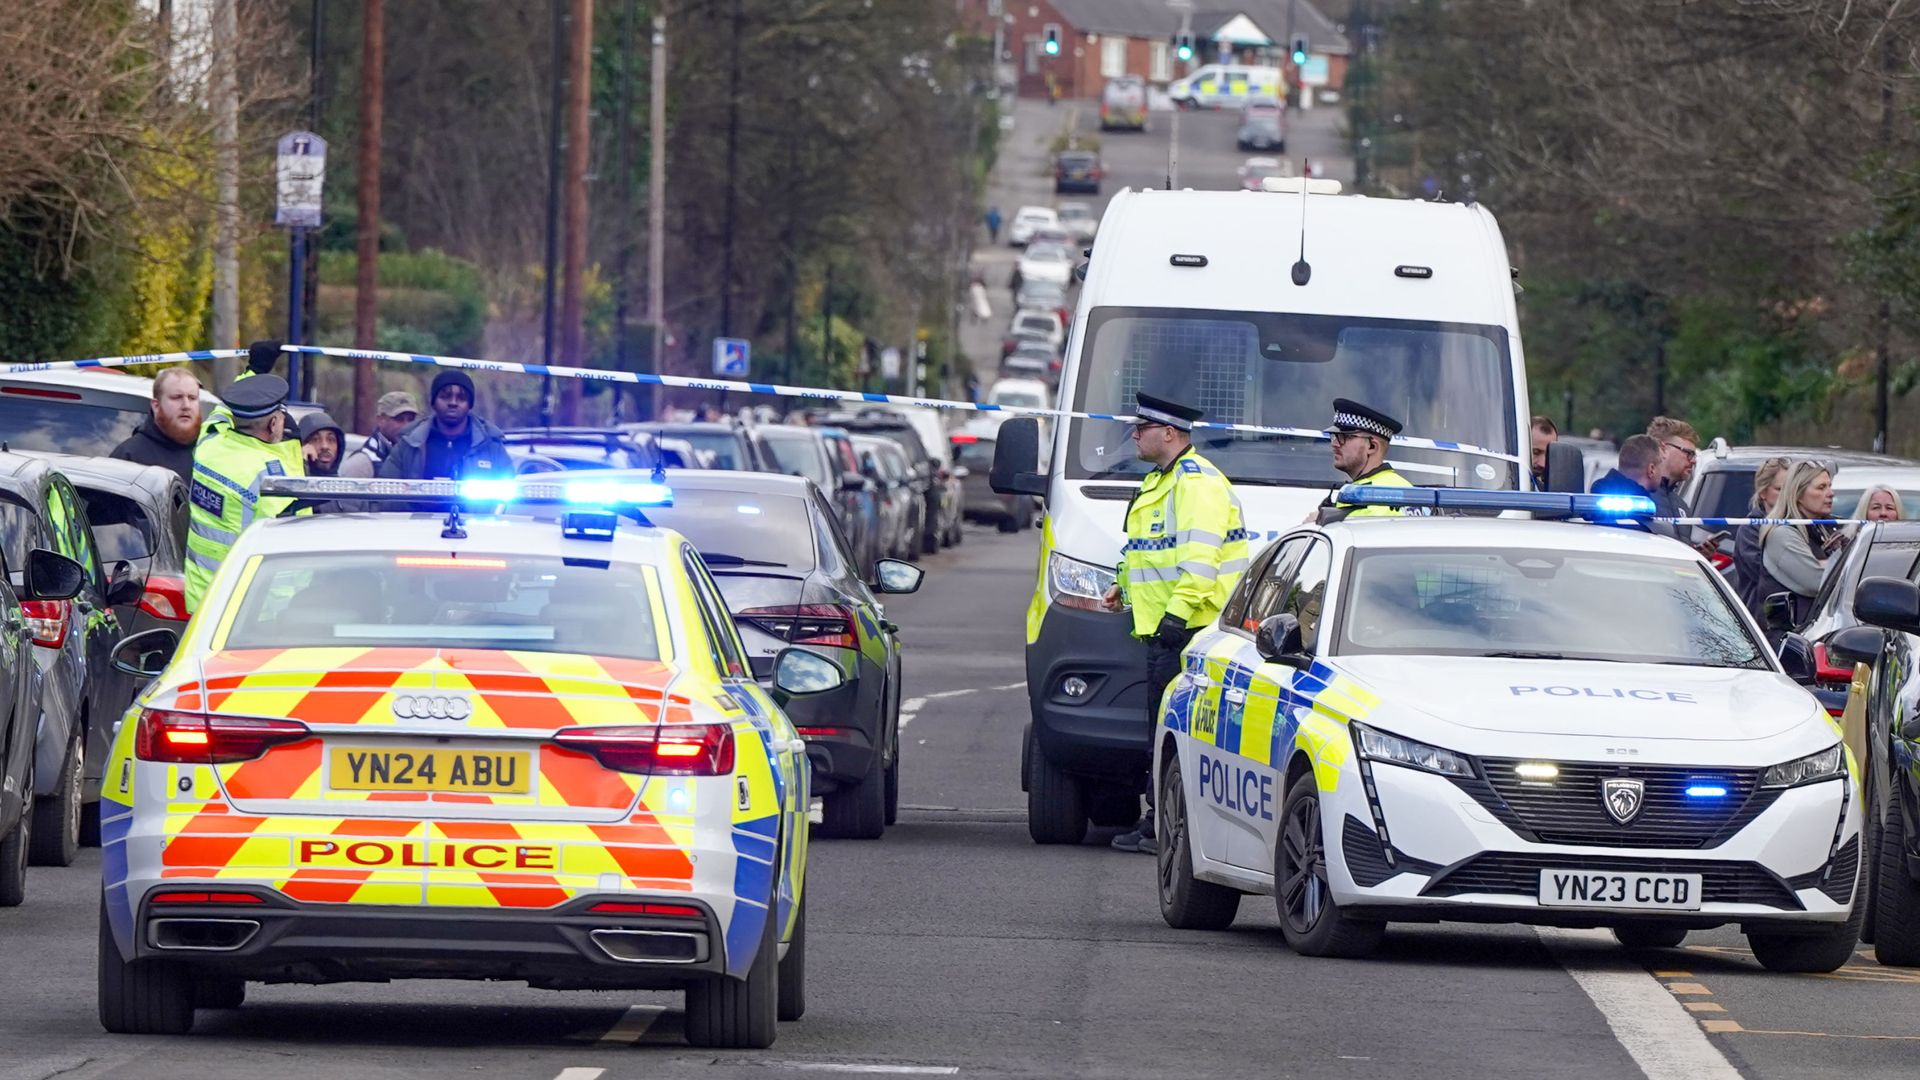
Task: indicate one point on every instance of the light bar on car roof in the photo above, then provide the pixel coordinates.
(475, 492)
(1545, 503)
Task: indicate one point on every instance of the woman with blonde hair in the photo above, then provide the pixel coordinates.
(1794, 558)
(1747, 570)
(1882, 503)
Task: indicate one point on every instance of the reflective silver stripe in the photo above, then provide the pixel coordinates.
(202, 561)
(1234, 566)
(1205, 571)
(1153, 573)
(1198, 536)
(209, 532)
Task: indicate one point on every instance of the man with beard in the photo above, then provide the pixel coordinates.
(166, 438)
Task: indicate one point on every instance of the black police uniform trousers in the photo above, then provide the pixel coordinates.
(1163, 663)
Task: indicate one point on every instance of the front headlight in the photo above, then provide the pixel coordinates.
(1813, 768)
(1075, 584)
(1378, 745)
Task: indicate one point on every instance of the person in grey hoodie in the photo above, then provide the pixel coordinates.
(394, 414)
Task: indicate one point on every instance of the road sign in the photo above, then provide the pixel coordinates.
(730, 357)
(301, 169)
(1315, 72)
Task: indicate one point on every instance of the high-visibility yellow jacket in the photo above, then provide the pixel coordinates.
(1186, 545)
(1384, 476)
(228, 469)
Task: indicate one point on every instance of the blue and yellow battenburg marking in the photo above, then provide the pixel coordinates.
(1232, 705)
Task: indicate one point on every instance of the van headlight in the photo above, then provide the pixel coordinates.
(1072, 583)
(1813, 768)
(1377, 745)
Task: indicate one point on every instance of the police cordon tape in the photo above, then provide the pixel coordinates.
(684, 382)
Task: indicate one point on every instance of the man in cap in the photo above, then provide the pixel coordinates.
(453, 443)
(394, 414)
(1360, 437)
(241, 446)
(1185, 552)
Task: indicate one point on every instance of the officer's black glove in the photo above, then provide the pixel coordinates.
(1171, 632)
(262, 355)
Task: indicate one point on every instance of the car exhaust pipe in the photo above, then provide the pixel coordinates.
(652, 946)
(201, 935)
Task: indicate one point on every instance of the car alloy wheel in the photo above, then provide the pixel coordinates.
(1303, 867)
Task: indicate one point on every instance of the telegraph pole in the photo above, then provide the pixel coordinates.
(1185, 8)
(579, 143)
(657, 205)
(226, 243)
(367, 280)
(556, 118)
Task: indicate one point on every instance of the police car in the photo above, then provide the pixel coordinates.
(1461, 718)
(459, 745)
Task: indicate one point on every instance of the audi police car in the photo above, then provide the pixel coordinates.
(1413, 719)
(458, 745)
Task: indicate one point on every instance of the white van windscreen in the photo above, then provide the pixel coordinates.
(1444, 381)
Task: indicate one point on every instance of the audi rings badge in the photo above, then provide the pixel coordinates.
(432, 707)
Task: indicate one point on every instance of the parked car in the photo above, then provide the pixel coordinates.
(1026, 220)
(790, 579)
(588, 448)
(1010, 513)
(139, 518)
(1256, 170)
(82, 694)
(1024, 393)
(884, 466)
(858, 498)
(1263, 126)
(1722, 481)
(804, 451)
(1076, 170)
(1048, 295)
(1079, 221)
(1890, 549)
(82, 411)
(1852, 482)
(1043, 262)
(727, 442)
(1039, 324)
(45, 577)
(1030, 362)
(1123, 104)
(933, 475)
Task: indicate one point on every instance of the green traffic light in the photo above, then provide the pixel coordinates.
(1186, 52)
(1299, 57)
(1053, 48)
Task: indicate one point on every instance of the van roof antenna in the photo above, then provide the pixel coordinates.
(1302, 272)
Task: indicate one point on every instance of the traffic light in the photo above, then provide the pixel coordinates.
(1299, 48)
(1053, 42)
(1183, 47)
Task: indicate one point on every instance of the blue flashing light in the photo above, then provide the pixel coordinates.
(1706, 791)
(1550, 503)
(482, 489)
(618, 493)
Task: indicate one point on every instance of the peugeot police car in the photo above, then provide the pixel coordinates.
(1448, 718)
(459, 745)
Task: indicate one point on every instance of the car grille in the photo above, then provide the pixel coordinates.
(1836, 878)
(1367, 860)
(1513, 874)
(1570, 809)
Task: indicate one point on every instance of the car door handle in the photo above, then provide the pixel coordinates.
(1238, 697)
(798, 746)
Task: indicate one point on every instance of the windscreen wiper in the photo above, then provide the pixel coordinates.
(1517, 654)
(721, 558)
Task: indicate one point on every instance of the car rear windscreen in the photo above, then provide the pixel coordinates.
(740, 529)
(797, 455)
(62, 427)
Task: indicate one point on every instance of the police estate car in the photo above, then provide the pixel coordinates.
(1449, 718)
(470, 746)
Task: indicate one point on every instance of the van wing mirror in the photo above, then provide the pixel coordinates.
(1888, 602)
(1566, 468)
(1016, 459)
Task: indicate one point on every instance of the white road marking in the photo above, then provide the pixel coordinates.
(1660, 1035)
(580, 1074)
(633, 1024)
(911, 707)
(849, 1067)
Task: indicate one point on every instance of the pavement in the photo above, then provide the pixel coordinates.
(956, 947)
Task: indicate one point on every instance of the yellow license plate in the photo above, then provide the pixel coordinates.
(478, 772)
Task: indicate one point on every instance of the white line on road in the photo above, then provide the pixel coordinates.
(911, 707)
(1654, 1028)
(849, 1067)
(580, 1074)
(633, 1024)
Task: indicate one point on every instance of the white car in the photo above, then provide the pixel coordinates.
(1027, 221)
(1044, 262)
(1417, 719)
(1023, 393)
(1041, 324)
(1079, 220)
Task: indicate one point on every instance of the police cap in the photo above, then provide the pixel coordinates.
(1351, 416)
(255, 396)
(1162, 411)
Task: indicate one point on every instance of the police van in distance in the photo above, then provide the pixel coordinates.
(1422, 719)
(1259, 307)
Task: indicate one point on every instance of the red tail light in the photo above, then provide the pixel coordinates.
(667, 750)
(821, 732)
(806, 624)
(671, 911)
(204, 898)
(199, 739)
(47, 621)
(1720, 560)
(165, 598)
(1826, 670)
(964, 440)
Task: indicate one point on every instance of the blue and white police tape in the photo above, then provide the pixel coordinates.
(685, 382)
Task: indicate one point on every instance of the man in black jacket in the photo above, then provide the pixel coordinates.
(167, 437)
(452, 444)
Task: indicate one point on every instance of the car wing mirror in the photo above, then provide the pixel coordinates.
(1566, 468)
(1889, 603)
(52, 576)
(147, 653)
(894, 576)
(124, 587)
(1777, 611)
(1797, 660)
(1279, 641)
(1856, 645)
(802, 672)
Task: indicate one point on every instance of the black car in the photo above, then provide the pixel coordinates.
(139, 518)
(1076, 170)
(728, 443)
(788, 575)
(82, 695)
(930, 476)
(44, 577)
(585, 448)
(1890, 549)
(1882, 726)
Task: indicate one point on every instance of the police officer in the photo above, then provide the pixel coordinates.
(1185, 552)
(241, 445)
(1360, 437)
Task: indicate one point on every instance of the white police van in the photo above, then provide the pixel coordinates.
(1449, 718)
(1225, 301)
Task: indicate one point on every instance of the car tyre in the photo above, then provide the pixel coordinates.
(1649, 936)
(1820, 952)
(142, 997)
(1010, 523)
(13, 856)
(219, 992)
(725, 1013)
(1896, 900)
(793, 966)
(1311, 921)
(1186, 902)
(893, 785)
(57, 818)
(1056, 807)
(858, 812)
